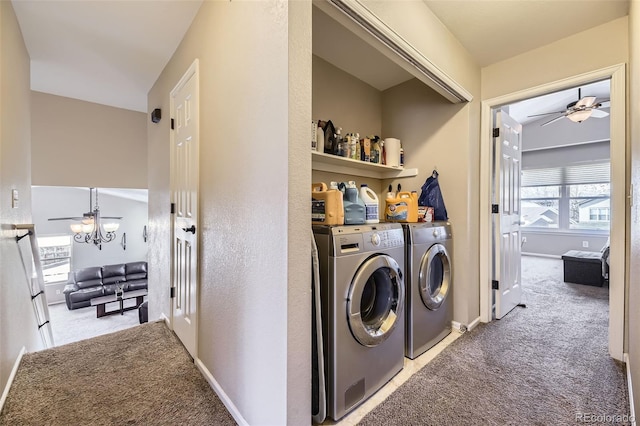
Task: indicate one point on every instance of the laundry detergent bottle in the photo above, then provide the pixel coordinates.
(354, 208)
(370, 200)
(326, 205)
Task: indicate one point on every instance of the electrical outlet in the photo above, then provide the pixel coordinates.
(58, 291)
(585, 244)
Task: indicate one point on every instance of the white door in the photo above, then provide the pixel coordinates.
(184, 192)
(507, 155)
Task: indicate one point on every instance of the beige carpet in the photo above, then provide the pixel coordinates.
(544, 364)
(138, 376)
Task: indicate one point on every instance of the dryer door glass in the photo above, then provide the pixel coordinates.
(435, 276)
(376, 295)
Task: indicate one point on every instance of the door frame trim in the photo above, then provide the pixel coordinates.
(618, 276)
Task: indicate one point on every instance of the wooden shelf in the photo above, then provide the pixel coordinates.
(334, 164)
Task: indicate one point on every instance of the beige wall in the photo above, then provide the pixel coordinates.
(597, 48)
(18, 328)
(78, 143)
(254, 322)
(633, 299)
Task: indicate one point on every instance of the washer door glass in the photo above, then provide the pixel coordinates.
(376, 296)
(435, 276)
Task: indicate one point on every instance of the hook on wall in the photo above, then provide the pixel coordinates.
(144, 233)
(124, 241)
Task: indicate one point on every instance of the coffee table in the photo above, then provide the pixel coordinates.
(100, 302)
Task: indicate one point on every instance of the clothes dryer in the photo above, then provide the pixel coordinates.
(362, 297)
(429, 281)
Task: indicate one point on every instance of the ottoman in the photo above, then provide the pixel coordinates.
(583, 267)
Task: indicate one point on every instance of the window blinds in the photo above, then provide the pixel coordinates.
(567, 175)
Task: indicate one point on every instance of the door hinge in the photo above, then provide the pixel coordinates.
(172, 125)
(496, 132)
(495, 208)
(173, 292)
(173, 208)
(495, 285)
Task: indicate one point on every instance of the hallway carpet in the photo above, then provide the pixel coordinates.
(138, 376)
(544, 364)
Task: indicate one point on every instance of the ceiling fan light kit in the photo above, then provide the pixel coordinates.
(579, 116)
(90, 229)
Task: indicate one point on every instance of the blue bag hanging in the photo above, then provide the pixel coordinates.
(431, 196)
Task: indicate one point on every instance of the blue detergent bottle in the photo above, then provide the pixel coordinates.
(354, 208)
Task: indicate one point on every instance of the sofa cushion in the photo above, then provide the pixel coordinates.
(86, 293)
(113, 273)
(136, 285)
(88, 277)
(136, 270)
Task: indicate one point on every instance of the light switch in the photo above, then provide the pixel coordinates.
(14, 199)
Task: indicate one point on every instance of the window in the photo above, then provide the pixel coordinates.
(55, 256)
(572, 197)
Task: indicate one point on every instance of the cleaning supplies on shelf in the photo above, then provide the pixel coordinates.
(354, 208)
(370, 200)
(327, 206)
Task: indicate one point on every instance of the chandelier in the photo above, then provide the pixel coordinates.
(91, 230)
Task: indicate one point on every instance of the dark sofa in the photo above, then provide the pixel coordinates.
(85, 284)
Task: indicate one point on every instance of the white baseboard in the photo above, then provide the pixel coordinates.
(550, 256)
(473, 324)
(461, 328)
(231, 407)
(12, 376)
(166, 320)
(632, 408)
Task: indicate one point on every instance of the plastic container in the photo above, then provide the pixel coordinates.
(354, 208)
(371, 207)
(402, 208)
(327, 207)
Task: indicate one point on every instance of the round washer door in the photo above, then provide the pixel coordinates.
(376, 298)
(435, 276)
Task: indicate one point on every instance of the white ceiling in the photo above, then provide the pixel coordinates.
(494, 30)
(111, 52)
(107, 52)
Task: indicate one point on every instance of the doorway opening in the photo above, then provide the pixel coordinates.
(573, 198)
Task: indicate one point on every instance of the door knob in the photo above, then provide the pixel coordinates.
(191, 229)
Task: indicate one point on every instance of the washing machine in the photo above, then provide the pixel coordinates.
(429, 295)
(362, 301)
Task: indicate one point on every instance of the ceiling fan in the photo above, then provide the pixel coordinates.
(579, 110)
(91, 214)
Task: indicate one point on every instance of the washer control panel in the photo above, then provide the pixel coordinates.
(383, 239)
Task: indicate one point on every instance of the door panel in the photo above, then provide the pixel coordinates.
(184, 190)
(506, 223)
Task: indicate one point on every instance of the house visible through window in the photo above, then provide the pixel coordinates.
(55, 256)
(573, 197)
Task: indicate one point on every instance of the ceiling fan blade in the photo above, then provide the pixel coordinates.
(65, 218)
(111, 217)
(552, 121)
(598, 113)
(587, 101)
(546, 113)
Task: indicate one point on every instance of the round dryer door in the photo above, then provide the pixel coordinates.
(376, 296)
(435, 276)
